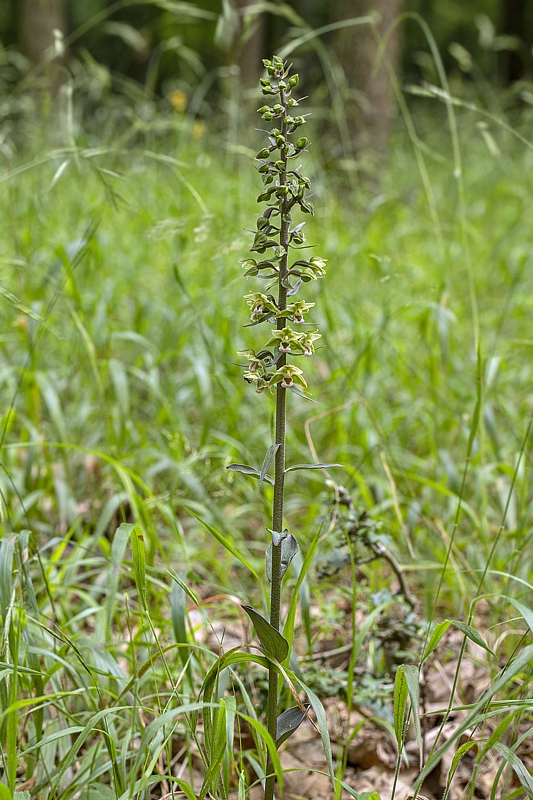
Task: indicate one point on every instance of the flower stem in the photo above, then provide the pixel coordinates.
(279, 471)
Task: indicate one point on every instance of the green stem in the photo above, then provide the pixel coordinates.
(279, 473)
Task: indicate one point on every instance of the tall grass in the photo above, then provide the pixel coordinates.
(120, 300)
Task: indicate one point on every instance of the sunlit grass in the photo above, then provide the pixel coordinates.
(122, 403)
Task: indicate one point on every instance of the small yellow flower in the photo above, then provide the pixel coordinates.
(178, 100)
(198, 129)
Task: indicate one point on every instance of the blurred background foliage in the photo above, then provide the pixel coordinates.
(123, 35)
(199, 56)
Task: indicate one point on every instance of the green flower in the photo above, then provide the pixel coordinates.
(288, 376)
(254, 362)
(261, 383)
(306, 342)
(285, 339)
(260, 304)
(296, 310)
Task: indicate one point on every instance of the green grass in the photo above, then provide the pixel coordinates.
(123, 404)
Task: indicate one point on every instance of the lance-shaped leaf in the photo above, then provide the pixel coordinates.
(288, 722)
(139, 562)
(437, 634)
(401, 693)
(246, 470)
(271, 640)
(412, 676)
(472, 634)
(269, 458)
(289, 548)
(299, 392)
(311, 466)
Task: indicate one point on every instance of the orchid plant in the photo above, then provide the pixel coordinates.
(290, 337)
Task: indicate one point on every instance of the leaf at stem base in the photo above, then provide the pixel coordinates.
(273, 643)
(288, 722)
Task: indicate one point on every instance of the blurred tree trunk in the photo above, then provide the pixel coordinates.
(251, 44)
(514, 24)
(42, 28)
(358, 49)
(39, 19)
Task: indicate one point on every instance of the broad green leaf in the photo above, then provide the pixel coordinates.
(438, 632)
(401, 693)
(269, 458)
(311, 466)
(246, 470)
(412, 675)
(139, 562)
(471, 634)
(272, 641)
(288, 722)
(289, 548)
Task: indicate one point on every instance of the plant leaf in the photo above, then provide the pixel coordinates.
(322, 722)
(299, 392)
(277, 537)
(521, 771)
(289, 548)
(246, 470)
(139, 562)
(118, 548)
(271, 640)
(526, 612)
(472, 634)
(311, 466)
(438, 632)
(401, 693)
(269, 458)
(288, 722)
(457, 756)
(412, 675)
